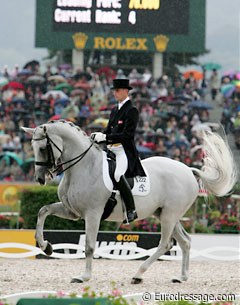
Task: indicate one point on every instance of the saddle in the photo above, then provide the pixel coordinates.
(140, 186)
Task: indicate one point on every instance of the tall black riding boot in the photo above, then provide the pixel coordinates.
(127, 197)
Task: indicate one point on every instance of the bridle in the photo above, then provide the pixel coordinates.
(50, 164)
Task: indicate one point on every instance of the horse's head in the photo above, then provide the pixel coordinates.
(47, 150)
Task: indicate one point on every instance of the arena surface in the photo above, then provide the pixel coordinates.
(205, 277)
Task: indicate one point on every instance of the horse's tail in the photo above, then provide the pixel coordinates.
(219, 172)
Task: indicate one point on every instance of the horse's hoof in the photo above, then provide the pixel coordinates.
(76, 280)
(49, 249)
(176, 280)
(136, 280)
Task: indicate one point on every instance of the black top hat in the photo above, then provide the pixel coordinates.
(121, 84)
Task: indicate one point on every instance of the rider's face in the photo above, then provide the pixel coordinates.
(120, 94)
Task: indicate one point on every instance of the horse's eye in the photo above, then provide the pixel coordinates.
(42, 149)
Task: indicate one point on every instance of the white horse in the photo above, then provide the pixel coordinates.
(83, 194)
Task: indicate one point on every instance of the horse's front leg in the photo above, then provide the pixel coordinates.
(92, 223)
(57, 209)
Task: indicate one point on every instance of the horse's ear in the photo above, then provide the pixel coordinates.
(28, 130)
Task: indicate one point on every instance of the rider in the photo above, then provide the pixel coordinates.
(119, 136)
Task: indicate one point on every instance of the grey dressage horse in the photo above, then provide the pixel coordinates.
(83, 194)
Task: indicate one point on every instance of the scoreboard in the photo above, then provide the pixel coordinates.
(126, 25)
(122, 16)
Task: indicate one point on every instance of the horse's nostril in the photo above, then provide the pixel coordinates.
(40, 180)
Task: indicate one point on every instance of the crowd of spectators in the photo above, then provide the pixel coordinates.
(171, 109)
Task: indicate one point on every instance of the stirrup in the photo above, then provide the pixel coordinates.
(131, 216)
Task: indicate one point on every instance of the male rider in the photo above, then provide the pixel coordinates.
(119, 137)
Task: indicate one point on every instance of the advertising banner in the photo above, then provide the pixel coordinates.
(9, 192)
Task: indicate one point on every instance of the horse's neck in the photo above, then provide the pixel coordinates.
(75, 143)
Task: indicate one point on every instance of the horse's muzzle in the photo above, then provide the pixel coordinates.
(40, 174)
(40, 180)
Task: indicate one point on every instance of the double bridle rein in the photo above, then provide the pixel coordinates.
(50, 163)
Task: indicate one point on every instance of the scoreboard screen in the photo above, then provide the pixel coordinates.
(121, 16)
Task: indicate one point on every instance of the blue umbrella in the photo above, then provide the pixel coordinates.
(228, 89)
(143, 149)
(24, 72)
(199, 104)
(18, 100)
(63, 101)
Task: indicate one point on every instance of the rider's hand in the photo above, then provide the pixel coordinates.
(98, 137)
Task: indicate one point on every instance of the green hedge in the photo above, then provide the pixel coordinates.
(32, 199)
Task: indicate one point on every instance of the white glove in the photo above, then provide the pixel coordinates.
(98, 137)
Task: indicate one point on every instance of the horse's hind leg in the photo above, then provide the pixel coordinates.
(92, 222)
(163, 247)
(57, 209)
(184, 241)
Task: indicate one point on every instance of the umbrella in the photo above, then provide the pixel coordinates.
(38, 79)
(228, 89)
(107, 71)
(20, 111)
(24, 72)
(55, 117)
(65, 66)
(144, 100)
(176, 103)
(18, 100)
(57, 78)
(13, 85)
(9, 156)
(63, 86)
(31, 64)
(38, 112)
(197, 75)
(3, 81)
(237, 75)
(138, 83)
(82, 85)
(212, 66)
(229, 73)
(199, 104)
(236, 82)
(143, 149)
(81, 75)
(55, 94)
(76, 92)
(184, 97)
(101, 121)
(62, 101)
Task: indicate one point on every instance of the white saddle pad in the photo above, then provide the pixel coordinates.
(141, 184)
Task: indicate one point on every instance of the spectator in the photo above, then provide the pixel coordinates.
(214, 84)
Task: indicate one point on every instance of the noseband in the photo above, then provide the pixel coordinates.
(50, 163)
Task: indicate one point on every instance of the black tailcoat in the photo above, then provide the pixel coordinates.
(121, 129)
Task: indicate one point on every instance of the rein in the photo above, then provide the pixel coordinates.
(51, 160)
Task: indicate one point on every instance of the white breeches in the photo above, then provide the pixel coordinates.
(121, 161)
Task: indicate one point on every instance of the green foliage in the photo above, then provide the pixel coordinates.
(200, 228)
(32, 199)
